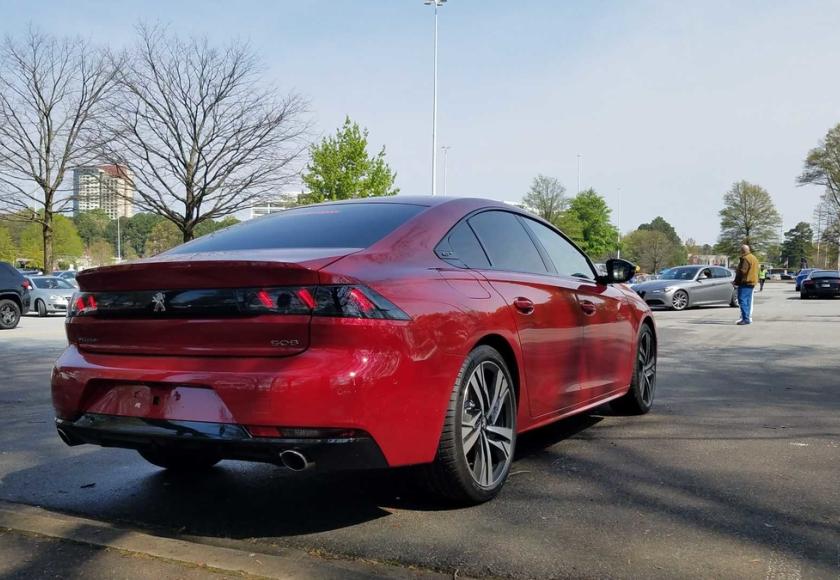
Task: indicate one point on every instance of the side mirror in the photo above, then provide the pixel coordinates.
(618, 272)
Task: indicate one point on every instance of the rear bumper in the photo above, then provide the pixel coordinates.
(228, 441)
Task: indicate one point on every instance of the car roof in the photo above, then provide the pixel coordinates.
(422, 200)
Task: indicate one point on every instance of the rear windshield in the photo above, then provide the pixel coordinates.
(356, 225)
(829, 274)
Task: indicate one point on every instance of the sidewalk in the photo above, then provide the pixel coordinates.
(36, 543)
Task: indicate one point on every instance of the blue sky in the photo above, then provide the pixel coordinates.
(669, 101)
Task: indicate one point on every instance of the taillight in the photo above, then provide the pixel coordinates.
(26, 285)
(82, 304)
(337, 301)
(808, 283)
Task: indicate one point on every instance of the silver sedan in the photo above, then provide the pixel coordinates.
(685, 286)
(50, 294)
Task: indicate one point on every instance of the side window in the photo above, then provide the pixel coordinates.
(720, 272)
(508, 245)
(568, 260)
(462, 245)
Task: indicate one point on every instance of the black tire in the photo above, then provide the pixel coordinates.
(9, 314)
(178, 460)
(803, 296)
(42, 308)
(680, 300)
(639, 399)
(733, 302)
(451, 475)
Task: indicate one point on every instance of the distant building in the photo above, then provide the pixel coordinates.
(709, 260)
(108, 187)
(274, 204)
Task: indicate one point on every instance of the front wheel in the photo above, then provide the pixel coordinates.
(733, 301)
(479, 433)
(639, 399)
(177, 460)
(42, 308)
(680, 300)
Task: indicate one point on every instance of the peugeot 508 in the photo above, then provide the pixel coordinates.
(350, 335)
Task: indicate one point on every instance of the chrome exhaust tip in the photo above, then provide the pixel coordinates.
(295, 460)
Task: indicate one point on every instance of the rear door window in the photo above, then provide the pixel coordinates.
(508, 245)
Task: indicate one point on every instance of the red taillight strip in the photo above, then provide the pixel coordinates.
(307, 298)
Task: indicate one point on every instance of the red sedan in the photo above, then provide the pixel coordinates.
(362, 334)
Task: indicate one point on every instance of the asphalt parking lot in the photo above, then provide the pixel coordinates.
(735, 473)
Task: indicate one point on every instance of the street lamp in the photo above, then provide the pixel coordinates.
(436, 4)
(445, 150)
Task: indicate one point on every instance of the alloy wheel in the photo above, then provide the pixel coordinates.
(647, 368)
(7, 314)
(487, 423)
(680, 300)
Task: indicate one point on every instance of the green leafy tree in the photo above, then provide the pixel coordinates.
(598, 237)
(8, 251)
(798, 244)
(211, 226)
(547, 198)
(341, 168)
(679, 253)
(67, 245)
(101, 253)
(748, 217)
(92, 225)
(164, 236)
(822, 166)
(652, 250)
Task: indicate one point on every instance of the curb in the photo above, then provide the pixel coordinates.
(291, 565)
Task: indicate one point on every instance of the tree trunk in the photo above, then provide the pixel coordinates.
(47, 228)
(188, 232)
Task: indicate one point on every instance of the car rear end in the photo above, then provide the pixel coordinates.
(245, 345)
(822, 284)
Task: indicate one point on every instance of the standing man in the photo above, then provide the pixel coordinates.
(762, 278)
(746, 277)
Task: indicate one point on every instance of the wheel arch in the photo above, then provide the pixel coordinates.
(14, 298)
(505, 349)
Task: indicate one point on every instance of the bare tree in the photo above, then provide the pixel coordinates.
(822, 166)
(201, 135)
(51, 91)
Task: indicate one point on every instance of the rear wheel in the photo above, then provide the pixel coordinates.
(803, 295)
(479, 433)
(42, 308)
(9, 314)
(178, 460)
(680, 300)
(639, 399)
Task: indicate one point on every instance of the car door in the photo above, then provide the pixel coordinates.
(545, 310)
(702, 289)
(723, 284)
(608, 335)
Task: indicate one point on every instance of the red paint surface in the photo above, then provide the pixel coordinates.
(391, 379)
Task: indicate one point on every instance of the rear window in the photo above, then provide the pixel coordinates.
(815, 275)
(356, 225)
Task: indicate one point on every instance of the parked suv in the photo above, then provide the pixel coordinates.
(14, 296)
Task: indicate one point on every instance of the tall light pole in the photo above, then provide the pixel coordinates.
(436, 4)
(618, 252)
(445, 150)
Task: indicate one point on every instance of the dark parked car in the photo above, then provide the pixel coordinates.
(801, 275)
(365, 334)
(821, 283)
(14, 296)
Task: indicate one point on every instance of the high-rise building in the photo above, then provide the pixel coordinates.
(108, 187)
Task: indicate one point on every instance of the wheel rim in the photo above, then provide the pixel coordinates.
(647, 368)
(487, 423)
(7, 314)
(680, 300)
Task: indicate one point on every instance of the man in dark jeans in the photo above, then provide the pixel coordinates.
(746, 277)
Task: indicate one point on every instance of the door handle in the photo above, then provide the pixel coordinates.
(588, 307)
(523, 305)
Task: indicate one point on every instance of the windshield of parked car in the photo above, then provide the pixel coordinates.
(824, 274)
(51, 283)
(681, 273)
(352, 225)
